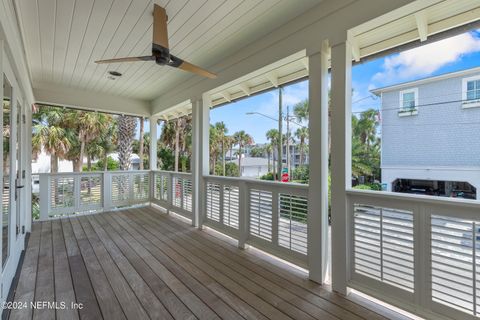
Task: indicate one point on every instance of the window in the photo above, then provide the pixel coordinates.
(408, 102)
(471, 92)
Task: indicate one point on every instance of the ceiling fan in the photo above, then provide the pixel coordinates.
(160, 51)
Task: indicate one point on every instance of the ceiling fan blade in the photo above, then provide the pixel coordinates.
(160, 34)
(129, 59)
(187, 66)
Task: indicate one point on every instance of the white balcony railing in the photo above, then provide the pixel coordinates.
(268, 215)
(417, 251)
(173, 191)
(84, 192)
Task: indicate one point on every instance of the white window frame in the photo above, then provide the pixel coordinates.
(408, 112)
(472, 103)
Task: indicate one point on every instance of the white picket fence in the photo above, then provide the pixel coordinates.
(421, 253)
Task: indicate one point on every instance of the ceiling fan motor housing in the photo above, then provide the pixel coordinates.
(162, 54)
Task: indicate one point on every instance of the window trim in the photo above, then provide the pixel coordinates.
(408, 112)
(465, 103)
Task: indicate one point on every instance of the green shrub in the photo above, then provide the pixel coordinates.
(267, 176)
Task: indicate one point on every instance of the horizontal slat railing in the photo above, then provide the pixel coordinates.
(85, 192)
(269, 215)
(173, 191)
(418, 252)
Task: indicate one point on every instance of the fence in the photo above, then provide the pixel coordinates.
(418, 251)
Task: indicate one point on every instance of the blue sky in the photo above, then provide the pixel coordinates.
(453, 54)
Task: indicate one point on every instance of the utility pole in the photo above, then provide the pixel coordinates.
(288, 142)
(280, 142)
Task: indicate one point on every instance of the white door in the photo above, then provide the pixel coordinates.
(12, 242)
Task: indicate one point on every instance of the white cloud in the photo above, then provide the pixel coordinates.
(425, 60)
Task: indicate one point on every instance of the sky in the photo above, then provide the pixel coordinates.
(452, 54)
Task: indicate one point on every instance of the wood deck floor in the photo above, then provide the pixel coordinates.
(142, 264)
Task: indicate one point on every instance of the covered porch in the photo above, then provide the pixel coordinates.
(144, 264)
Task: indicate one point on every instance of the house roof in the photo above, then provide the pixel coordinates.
(403, 85)
(252, 162)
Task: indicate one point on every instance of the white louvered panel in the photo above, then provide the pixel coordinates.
(383, 245)
(213, 201)
(91, 188)
(6, 194)
(187, 194)
(455, 263)
(231, 206)
(177, 192)
(120, 188)
(62, 194)
(261, 214)
(161, 187)
(292, 224)
(141, 186)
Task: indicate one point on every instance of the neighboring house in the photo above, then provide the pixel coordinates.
(253, 167)
(431, 135)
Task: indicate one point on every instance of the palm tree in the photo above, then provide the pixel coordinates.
(301, 110)
(269, 151)
(242, 139)
(222, 130)
(126, 133)
(273, 135)
(302, 136)
(213, 145)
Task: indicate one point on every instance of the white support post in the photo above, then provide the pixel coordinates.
(107, 191)
(243, 215)
(200, 156)
(153, 143)
(318, 163)
(341, 96)
(44, 196)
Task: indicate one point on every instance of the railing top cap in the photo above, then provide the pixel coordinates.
(86, 173)
(274, 184)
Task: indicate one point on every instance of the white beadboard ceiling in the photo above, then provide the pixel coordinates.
(62, 38)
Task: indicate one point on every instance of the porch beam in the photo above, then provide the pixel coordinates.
(422, 25)
(153, 143)
(317, 223)
(341, 150)
(200, 155)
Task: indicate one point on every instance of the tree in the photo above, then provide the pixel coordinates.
(302, 136)
(257, 152)
(49, 134)
(242, 139)
(126, 132)
(274, 136)
(221, 130)
(269, 151)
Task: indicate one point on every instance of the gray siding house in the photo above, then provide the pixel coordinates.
(431, 135)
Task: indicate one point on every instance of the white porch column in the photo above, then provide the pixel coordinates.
(341, 96)
(153, 143)
(200, 155)
(318, 163)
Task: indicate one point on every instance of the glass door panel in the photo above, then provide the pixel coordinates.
(7, 98)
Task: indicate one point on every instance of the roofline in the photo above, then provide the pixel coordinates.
(403, 85)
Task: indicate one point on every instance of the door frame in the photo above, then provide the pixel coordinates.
(16, 244)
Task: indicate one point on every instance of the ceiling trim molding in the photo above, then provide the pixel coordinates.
(88, 100)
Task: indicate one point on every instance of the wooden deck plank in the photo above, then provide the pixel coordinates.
(63, 279)
(174, 305)
(267, 309)
(233, 301)
(296, 308)
(145, 295)
(83, 288)
(44, 290)
(154, 258)
(25, 291)
(132, 308)
(107, 300)
(270, 268)
(273, 283)
(142, 264)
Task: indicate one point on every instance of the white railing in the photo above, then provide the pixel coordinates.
(173, 191)
(270, 216)
(418, 252)
(83, 192)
